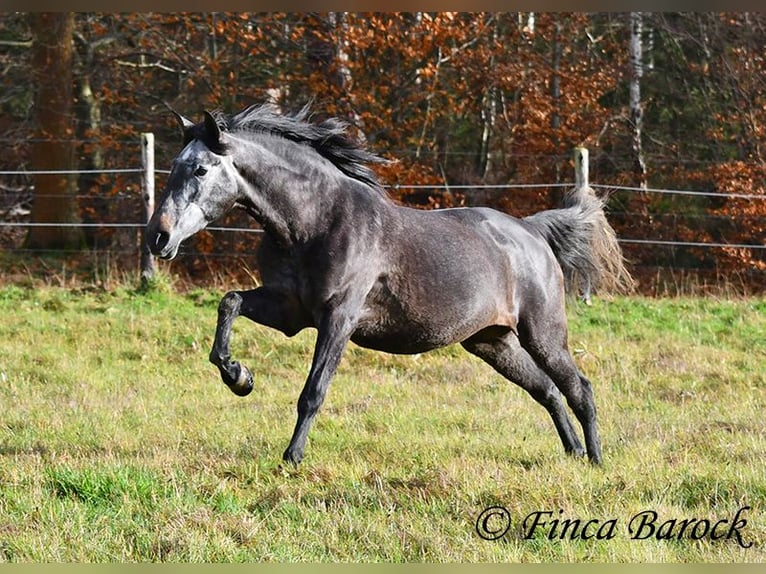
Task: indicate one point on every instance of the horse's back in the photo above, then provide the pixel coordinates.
(511, 242)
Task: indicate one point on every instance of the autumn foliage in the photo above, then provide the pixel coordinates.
(464, 102)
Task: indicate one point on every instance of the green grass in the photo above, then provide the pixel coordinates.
(118, 442)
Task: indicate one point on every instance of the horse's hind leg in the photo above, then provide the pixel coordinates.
(264, 305)
(510, 359)
(548, 346)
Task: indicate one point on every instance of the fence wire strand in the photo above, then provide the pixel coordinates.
(444, 186)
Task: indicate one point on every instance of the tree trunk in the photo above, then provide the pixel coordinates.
(91, 154)
(636, 107)
(488, 118)
(53, 150)
(555, 195)
(322, 51)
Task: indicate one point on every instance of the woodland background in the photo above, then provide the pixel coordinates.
(477, 105)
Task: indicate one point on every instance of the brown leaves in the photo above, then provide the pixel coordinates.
(462, 98)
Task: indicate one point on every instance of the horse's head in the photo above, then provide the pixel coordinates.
(202, 187)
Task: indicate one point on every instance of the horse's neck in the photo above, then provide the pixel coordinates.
(292, 201)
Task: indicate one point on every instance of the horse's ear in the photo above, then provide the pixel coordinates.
(182, 121)
(211, 127)
(186, 125)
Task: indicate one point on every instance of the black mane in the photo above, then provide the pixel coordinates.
(328, 138)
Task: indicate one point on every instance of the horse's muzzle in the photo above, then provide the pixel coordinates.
(160, 245)
(159, 242)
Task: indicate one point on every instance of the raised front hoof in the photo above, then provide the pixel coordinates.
(241, 383)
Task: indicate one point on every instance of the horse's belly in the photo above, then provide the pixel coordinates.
(415, 312)
(398, 341)
(395, 330)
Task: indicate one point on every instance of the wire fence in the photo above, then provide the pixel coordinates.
(444, 187)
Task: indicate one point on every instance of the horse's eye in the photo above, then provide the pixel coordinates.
(200, 171)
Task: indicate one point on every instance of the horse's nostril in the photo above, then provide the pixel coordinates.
(161, 240)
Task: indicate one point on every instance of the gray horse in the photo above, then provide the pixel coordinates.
(338, 255)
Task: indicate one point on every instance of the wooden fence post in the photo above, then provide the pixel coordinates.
(581, 183)
(147, 190)
(581, 167)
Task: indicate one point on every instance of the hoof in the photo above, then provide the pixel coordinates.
(576, 453)
(292, 458)
(243, 384)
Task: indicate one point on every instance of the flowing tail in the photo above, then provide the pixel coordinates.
(584, 244)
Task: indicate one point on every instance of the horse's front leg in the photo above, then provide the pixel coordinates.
(333, 334)
(264, 305)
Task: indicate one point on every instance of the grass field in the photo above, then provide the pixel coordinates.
(118, 442)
